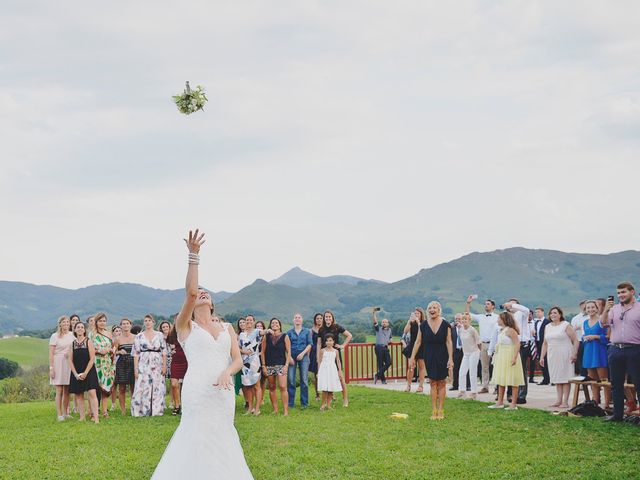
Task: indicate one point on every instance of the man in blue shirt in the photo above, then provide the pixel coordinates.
(300, 338)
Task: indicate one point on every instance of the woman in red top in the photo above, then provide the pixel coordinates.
(178, 369)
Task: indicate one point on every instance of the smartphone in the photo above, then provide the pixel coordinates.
(610, 298)
(474, 296)
(376, 309)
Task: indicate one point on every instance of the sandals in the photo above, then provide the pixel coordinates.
(420, 389)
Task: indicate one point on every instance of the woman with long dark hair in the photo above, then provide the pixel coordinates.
(263, 380)
(412, 328)
(507, 364)
(206, 442)
(83, 373)
(105, 368)
(560, 351)
(276, 355)
(124, 363)
(594, 358)
(179, 366)
(318, 319)
(329, 325)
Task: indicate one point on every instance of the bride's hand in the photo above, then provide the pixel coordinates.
(195, 242)
(224, 381)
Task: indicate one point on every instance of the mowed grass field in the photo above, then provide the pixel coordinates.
(26, 351)
(353, 443)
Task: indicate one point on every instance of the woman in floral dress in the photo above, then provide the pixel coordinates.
(150, 367)
(105, 366)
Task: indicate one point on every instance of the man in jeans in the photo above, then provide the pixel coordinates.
(624, 349)
(300, 338)
(383, 338)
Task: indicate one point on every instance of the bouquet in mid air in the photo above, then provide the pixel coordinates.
(190, 101)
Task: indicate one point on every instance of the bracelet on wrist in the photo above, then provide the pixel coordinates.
(194, 259)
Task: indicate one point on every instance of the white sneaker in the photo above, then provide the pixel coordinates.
(495, 405)
(61, 418)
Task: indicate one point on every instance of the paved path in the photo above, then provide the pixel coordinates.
(539, 396)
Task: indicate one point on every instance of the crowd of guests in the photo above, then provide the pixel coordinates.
(280, 361)
(601, 343)
(102, 362)
(90, 358)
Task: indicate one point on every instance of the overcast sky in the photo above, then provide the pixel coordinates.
(370, 138)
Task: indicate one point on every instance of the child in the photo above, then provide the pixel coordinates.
(507, 366)
(328, 372)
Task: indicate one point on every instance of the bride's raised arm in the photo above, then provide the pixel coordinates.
(183, 320)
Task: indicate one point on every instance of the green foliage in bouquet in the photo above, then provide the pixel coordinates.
(191, 100)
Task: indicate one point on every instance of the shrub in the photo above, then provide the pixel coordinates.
(32, 385)
(359, 337)
(8, 368)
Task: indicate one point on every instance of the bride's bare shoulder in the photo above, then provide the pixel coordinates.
(183, 333)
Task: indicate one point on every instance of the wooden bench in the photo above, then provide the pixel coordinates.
(585, 387)
(576, 390)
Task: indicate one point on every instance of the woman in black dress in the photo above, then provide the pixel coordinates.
(124, 364)
(434, 339)
(413, 327)
(276, 356)
(329, 325)
(313, 354)
(83, 373)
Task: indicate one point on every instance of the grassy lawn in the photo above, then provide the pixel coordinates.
(27, 351)
(354, 443)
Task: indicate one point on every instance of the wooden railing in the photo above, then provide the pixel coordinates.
(360, 362)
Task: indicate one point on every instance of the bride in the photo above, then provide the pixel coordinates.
(205, 444)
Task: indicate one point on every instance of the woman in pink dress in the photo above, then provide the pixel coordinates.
(59, 370)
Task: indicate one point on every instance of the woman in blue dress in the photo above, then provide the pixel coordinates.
(594, 358)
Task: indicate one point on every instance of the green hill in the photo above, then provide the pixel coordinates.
(535, 277)
(36, 307)
(26, 351)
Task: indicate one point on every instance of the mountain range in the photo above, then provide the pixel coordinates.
(535, 277)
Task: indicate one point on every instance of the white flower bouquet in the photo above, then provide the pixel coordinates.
(191, 100)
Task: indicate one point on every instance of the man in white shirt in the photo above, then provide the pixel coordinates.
(486, 321)
(577, 323)
(521, 316)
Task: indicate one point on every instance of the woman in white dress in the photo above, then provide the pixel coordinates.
(329, 371)
(249, 341)
(206, 443)
(561, 349)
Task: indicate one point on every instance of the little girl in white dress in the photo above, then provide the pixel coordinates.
(328, 372)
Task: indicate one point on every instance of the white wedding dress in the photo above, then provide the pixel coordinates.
(205, 445)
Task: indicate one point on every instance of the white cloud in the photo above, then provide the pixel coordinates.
(369, 138)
